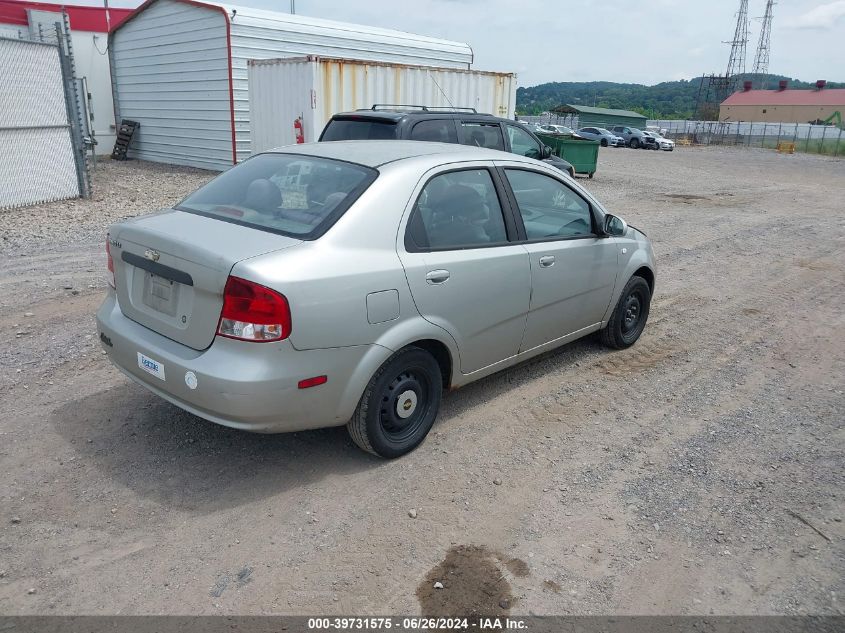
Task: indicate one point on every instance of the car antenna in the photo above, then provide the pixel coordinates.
(445, 96)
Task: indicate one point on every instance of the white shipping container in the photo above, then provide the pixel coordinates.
(297, 96)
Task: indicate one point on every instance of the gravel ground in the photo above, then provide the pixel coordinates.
(699, 472)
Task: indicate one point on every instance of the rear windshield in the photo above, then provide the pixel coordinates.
(358, 130)
(295, 195)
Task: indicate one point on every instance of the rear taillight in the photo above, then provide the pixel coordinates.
(110, 277)
(252, 312)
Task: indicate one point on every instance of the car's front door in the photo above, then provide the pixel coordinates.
(522, 143)
(573, 267)
(464, 273)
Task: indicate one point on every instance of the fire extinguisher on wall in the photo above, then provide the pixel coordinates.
(298, 132)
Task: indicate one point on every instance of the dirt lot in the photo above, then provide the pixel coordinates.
(699, 472)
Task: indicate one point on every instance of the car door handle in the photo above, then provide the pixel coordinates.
(547, 261)
(437, 276)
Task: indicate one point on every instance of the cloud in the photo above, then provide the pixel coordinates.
(823, 16)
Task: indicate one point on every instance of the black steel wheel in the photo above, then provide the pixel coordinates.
(399, 404)
(629, 317)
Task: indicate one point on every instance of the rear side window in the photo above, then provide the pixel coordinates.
(358, 130)
(437, 130)
(295, 195)
(458, 209)
(487, 135)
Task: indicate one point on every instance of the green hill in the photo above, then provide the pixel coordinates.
(667, 100)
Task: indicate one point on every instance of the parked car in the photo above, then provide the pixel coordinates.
(650, 141)
(332, 284)
(533, 127)
(419, 123)
(633, 136)
(560, 129)
(605, 137)
(664, 143)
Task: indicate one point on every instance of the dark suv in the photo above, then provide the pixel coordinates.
(423, 123)
(633, 137)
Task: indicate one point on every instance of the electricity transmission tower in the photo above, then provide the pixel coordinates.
(716, 88)
(761, 59)
(736, 62)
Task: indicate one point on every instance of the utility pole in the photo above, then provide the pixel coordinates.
(761, 58)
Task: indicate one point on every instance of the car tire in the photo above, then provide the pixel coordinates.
(604, 142)
(656, 147)
(635, 143)
(629, 317)
(399, 405)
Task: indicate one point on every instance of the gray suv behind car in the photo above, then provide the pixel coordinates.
(426, 123)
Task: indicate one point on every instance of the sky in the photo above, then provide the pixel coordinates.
(647, 41)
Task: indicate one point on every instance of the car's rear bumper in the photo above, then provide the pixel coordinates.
(250, 386)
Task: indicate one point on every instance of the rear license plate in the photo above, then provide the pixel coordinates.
(161, 294)
(151, 366)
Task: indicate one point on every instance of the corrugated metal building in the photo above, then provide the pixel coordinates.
(179, 67)
(603, 117)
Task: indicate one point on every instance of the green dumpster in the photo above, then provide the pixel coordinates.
(582, 154)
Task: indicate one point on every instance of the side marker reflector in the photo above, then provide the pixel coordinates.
(312, 382)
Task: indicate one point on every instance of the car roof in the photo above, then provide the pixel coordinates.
(376, 153)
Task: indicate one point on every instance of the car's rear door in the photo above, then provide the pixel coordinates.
(573, 267)
(481, 132)
(465, 273)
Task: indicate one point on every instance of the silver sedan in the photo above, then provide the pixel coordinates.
(351, 283)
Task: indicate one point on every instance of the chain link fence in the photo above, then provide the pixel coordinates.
(44, 156)
(804, 137)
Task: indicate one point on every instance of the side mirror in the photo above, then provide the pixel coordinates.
(614, 226)
(547, 151)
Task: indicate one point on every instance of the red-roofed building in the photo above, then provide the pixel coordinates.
(89, 27)
(82, 18)
(784, 105)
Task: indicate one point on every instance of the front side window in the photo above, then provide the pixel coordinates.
(549, 209)
(458, 209)
(523, 143)
(487, 135)
(437, 130)
(296, 195)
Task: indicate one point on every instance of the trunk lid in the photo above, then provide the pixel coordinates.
(171, 268)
